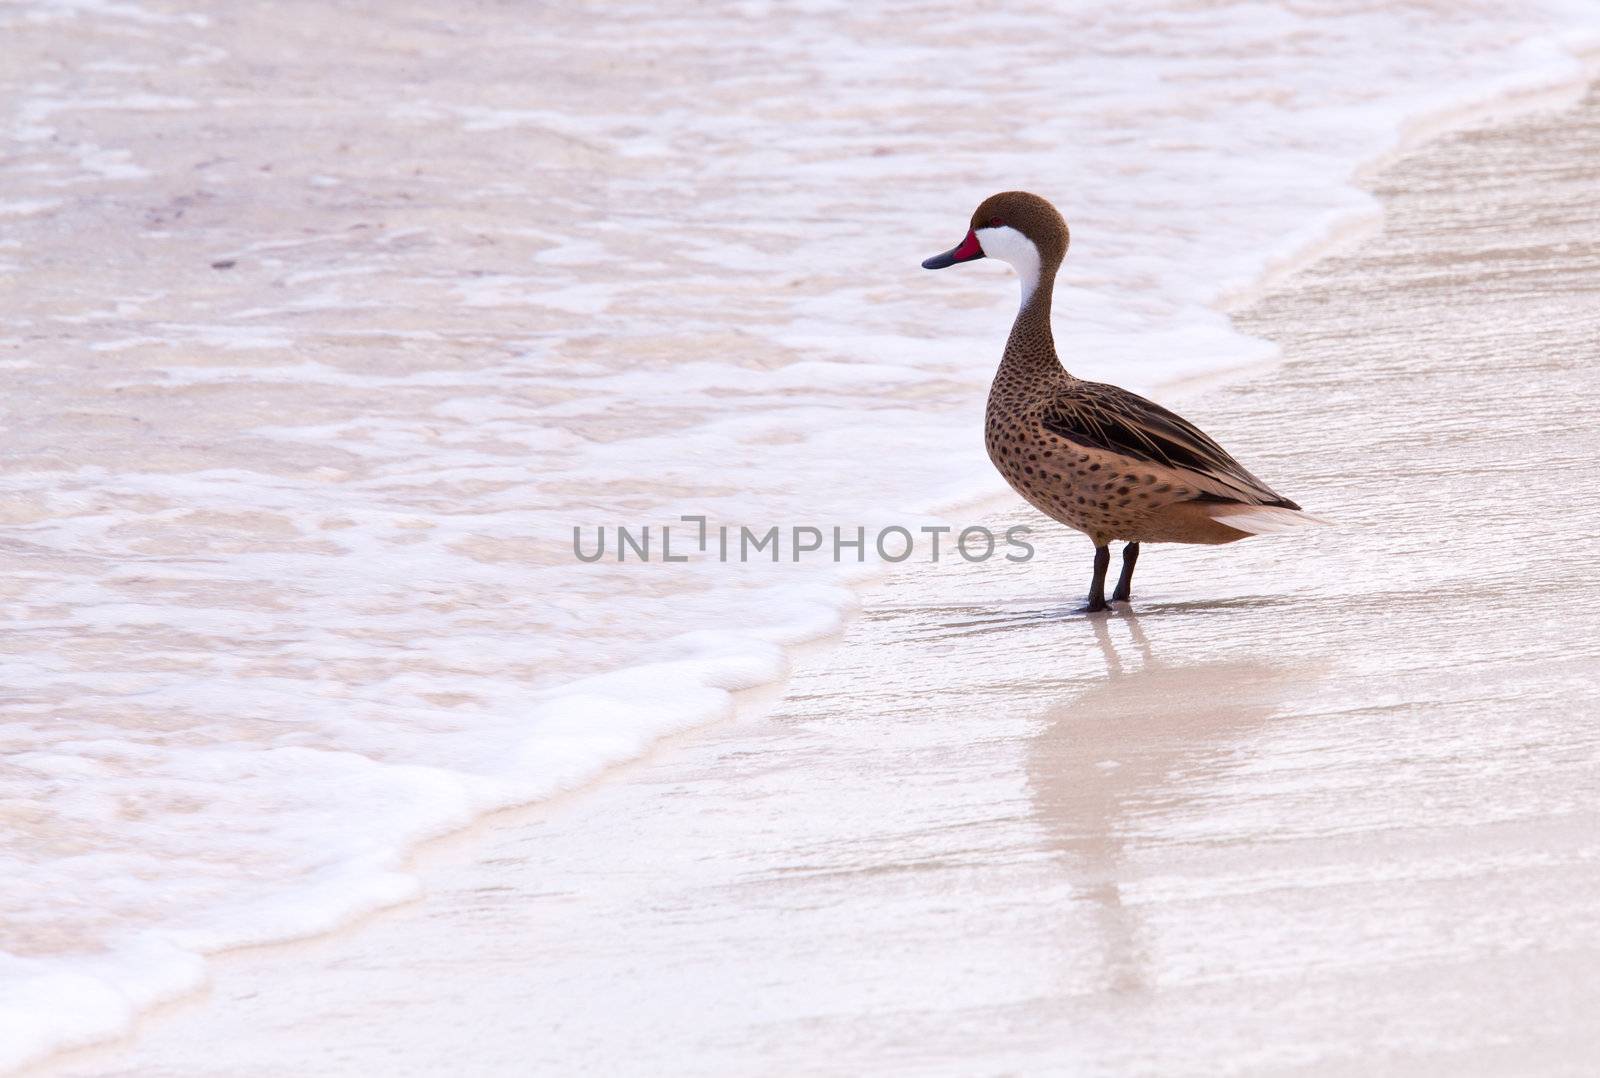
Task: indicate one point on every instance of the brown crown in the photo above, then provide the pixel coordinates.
(1030, 215)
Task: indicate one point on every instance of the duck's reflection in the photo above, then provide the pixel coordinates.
(1117, 763)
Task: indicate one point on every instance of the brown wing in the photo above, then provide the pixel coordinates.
(1105, 417)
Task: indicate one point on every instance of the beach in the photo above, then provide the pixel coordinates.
(1312, 804)
(335, 336)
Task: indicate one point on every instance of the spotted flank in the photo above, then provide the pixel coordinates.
(1105, 417)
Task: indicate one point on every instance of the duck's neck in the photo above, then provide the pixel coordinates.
(1031, 350)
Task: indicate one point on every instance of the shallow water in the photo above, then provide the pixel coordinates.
(325, 327)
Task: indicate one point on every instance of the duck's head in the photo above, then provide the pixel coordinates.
(1015, 227)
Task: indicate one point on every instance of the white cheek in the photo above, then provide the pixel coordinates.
(1009, 245)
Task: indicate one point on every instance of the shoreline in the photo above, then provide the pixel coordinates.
(1271, 683)
(1507, 101)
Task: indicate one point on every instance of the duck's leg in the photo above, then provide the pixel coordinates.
(1097, 586)
(1130, 557)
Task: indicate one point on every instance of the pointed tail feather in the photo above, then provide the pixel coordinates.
(1262, 519)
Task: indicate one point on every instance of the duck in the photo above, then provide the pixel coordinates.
(1093, 456)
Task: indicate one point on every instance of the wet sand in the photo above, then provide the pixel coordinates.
(1323, 804)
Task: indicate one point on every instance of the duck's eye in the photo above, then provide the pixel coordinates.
(996, 222)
